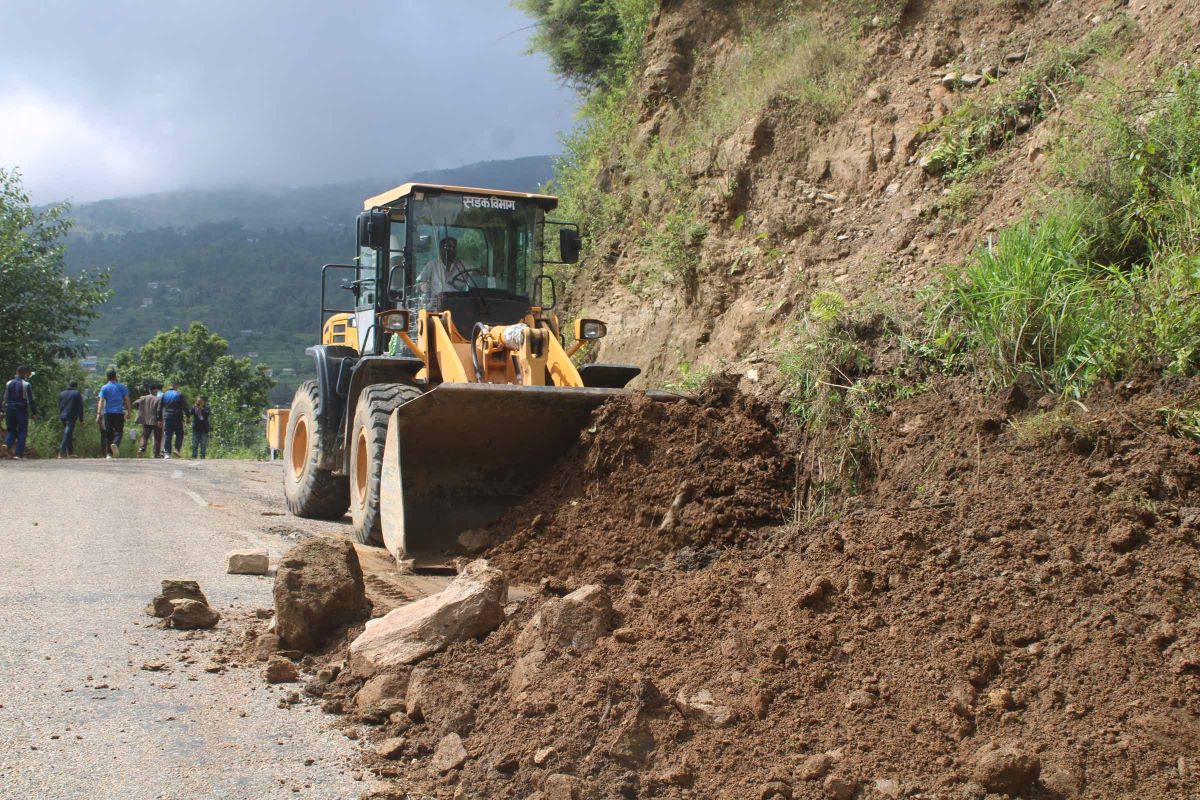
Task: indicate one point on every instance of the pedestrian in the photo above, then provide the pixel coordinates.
(70, 412)
(112, 406)
(19, 407)
(201, 415)
(174, 407)
(147, 417)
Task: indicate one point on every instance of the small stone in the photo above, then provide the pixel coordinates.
(450, 753)
(561, 786)
(280, 670)
(174, 589)
(543, 755)
(860, 700)
(626, 635)
(154, 666)
(888, 787)
(703, 707)
(877, 94)
(189, 614)
(775, 790)
(950, 80)
(1125, 537)
(971, 79)
(1004, 768)
(247, 562)
(815, 767)
(1015, 57)
(1002, 699)
(839, 788)
(386, 690)
(390, 749)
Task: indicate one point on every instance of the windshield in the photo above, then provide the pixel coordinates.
(464, 242)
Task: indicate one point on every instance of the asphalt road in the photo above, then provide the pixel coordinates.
(83, 546)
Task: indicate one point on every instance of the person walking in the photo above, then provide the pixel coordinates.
(112, 406)
(201, 416)
(147, 416)
(174, 407)
(19, 407)
(70, 412)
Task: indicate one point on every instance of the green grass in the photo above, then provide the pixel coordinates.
(1107, 280)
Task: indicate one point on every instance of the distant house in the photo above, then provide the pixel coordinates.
(152, 285)
(88, 363)
(287, 371)
(147, 302)
(251, 355)
(245, 332)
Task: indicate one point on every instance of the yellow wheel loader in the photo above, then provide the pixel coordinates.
(456, 392)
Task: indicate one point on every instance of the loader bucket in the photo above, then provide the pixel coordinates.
(460, 455)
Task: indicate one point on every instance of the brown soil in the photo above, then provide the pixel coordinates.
(1029, 580)
(651, 479)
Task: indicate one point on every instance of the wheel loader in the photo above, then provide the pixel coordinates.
(458, 391)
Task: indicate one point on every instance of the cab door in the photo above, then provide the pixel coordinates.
(367, 283)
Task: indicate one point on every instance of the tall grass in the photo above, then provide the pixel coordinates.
(1108, 280)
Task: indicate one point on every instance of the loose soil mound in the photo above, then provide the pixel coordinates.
(647, 479)
(1014, 603)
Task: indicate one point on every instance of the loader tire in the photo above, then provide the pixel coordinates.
(310, 491)
(367, 438)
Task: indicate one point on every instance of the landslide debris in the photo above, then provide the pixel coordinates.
(648, 479)
(182, 605)
(966, 626)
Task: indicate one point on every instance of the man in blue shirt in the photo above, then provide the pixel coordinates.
(70, 412)
(18, 408)
(173, 408)
(111, 408)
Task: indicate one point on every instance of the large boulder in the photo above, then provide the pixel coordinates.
(471, 605)
(570, 624)
(318, 588)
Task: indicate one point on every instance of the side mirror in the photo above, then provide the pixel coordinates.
(373, 229)
(569, 245)
(395, 282)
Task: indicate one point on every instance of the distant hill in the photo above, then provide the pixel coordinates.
(306, 207)
(245, 262)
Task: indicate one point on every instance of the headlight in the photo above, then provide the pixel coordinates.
(394, 321)
(587, 330)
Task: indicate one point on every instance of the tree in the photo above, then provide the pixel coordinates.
(590, 43)
(199, 360)
(45, 312)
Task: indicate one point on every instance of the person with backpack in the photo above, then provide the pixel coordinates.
(201, 415)
(174, 407)
(112, 405)
(19, 407)
(70, 413)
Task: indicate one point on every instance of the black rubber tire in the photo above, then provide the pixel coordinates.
(367, 438)
(310, 491)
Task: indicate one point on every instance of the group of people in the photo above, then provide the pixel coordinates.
(160, 414)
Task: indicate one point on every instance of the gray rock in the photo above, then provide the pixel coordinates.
(247, 562)
(473, 604)
(971, 79)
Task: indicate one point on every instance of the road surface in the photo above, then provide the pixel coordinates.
(83, 546)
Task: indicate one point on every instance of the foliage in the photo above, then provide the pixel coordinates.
(1182, 422)
(966, 135)
(236, 390)
(45, 312)
(1107, 279)
(691, 377)
(591, 44)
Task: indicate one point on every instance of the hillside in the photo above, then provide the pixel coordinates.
(244, 262)
(930, 528)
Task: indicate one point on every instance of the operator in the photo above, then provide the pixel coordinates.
(447, 273)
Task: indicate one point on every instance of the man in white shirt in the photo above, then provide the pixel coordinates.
(447, 273)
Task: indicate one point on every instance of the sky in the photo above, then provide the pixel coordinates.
(120, 97)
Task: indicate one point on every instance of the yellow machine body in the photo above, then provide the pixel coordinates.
(340, 329)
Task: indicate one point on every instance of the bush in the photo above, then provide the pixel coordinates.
(591, 44)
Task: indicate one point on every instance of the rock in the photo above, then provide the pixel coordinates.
(971, 79)
(702, 707)
(1063, 782)
(266, 645)
(816, 592)
(384, 690)
(190, 614)
(888, 787)
(280, 670)
(174, 589)
(860, 699)
(418, 681)
(1125, 537)
(392, 748)
(1004, 768)
(247, 562)
(815, 767)
(1015, 57)
(775, 790)
(1001, 699)
(950, 80)
(470, 606)
(877, 94)
(573, 623)
(475, 540)
(839, 788)
(544, 754)
(560, 786)
(450, 753)
(318, 588)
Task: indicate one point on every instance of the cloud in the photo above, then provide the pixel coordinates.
(126, 96)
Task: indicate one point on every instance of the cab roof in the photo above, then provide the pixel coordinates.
(546, 201)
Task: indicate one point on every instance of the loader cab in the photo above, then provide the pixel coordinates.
(477, 253)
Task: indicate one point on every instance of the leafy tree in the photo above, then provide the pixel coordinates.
(44, 311)
(590, 43)
(199, 359)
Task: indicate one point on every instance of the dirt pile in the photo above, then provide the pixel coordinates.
(650, 480)
(1011, 607)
